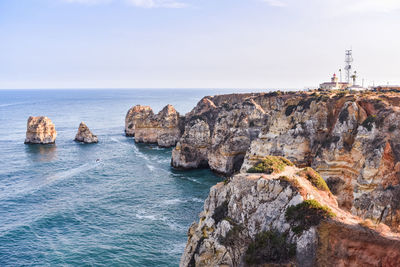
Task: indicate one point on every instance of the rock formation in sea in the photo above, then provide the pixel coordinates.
(351, 138)
(40, 130)
(85, 135)
(163, 128)
(281, 215)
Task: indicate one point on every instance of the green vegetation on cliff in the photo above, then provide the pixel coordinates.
(270, 247)
(306, 214)
(314, 177)
(270, 164)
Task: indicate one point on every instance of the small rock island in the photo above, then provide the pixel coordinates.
(40, 130)
(163, 129)
(84, 135)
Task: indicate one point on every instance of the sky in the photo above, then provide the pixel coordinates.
(195, 43)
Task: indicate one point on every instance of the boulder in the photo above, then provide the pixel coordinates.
(85, 135)
(40, 130)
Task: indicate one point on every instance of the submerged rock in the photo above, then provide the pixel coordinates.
(40, 130)
(284, 219)
(85, 135)
(163, 128)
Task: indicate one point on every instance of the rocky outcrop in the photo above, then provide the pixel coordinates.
(282, 219)
(85, 135)
(227, 124)
(351, 139)
(40, 130)
(163, 128)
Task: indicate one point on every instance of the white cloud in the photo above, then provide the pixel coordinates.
(137, 3)
(276, 3)
(88, 2)
(372, 6)
(157, 3)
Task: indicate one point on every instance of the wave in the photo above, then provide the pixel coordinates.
(199, 200)
(142, 214)
(72, 172)
(173, 201)
(33, 186)
(12, 104)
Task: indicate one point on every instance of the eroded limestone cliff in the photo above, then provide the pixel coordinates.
(285, 218)
(40, 130)
(352, 139)
(163, 128)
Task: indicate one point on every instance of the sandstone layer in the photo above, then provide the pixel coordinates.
(163, 128)
(251, 220)
(85, 135)
(40, 130)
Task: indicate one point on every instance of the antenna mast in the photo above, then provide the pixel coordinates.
(348, 67)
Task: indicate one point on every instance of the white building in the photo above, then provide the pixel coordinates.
(334, 84)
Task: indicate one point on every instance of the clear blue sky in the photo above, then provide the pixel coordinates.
(194, 43)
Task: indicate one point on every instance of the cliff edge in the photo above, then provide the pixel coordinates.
(282, 215)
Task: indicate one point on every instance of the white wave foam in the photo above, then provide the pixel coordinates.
(142, 214)
(12, 104)
(195, 199)
(176, 227)
(115, 140)
(173, 201)
(140, 154)
(72, 172)
(150, 167)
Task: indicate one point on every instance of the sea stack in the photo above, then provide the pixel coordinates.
(164, 128)
(40, 130)
(85, 135)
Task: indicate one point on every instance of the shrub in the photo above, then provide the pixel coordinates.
(306, 214)
(270, 164)
(368, 122)
(292, 182)
(232, 236)
(270, 247)
(289, 110)
(314, 178)
(220, 212)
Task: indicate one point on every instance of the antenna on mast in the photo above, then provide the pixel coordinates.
(348, 60)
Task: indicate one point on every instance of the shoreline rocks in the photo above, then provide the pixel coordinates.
(85, 135)
(40, 130)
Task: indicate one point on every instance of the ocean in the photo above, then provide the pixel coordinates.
(115, 203)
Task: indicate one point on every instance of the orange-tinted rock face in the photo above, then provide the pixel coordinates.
(40, 130)
(343, 245)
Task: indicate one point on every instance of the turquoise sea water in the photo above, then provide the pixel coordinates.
(60, 206)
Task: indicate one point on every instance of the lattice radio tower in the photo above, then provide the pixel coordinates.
(349, 62)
